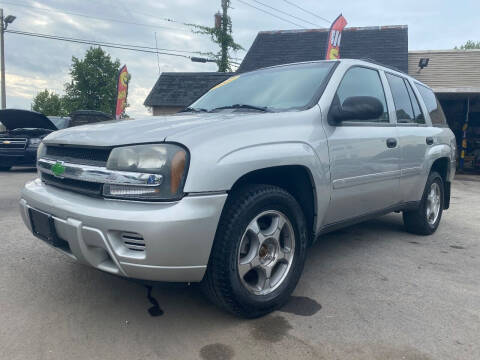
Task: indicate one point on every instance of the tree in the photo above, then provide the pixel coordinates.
(469, 45)
(48, 103)
(220, 34)
(94, 82)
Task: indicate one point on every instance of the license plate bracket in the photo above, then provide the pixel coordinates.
(43, 226)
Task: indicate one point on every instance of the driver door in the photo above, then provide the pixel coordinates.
(364, 154)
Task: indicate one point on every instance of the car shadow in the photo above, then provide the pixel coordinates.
(187, 302)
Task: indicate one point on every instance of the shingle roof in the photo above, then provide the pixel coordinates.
(385, 44)
(182, 89)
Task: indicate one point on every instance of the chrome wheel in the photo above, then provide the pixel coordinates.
(266, 252)
(432, 208)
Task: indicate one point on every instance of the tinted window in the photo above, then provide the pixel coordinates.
(59, 122)
(359, 81)
(401, 98)
(433, 106)
(417, 112)
(278, 88)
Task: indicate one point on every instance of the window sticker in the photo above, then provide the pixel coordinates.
(228, 81)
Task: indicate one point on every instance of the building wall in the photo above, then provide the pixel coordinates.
(166, 110)
(448, 71)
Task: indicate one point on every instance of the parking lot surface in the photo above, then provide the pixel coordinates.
(370, 291)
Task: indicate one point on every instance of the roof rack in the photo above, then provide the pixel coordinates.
(379, 63)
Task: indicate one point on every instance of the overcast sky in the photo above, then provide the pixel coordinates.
(33, 64)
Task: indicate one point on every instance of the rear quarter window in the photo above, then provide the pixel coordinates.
(433, 106)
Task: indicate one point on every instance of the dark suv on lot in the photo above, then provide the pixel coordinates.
(23, 131)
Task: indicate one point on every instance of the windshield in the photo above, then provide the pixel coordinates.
(278, 89)
(59, 122)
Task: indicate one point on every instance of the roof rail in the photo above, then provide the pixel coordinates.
(379, 63)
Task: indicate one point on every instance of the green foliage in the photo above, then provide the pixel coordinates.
(469, 45)
(49, 104)
(93, 87)
(94, 82)
(222, 36)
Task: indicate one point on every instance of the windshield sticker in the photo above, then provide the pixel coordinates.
(228, 81)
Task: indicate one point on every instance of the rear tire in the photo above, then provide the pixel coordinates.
(425, 219)
(258, 253)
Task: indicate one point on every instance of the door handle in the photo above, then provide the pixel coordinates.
(391, 142)
(429, 140)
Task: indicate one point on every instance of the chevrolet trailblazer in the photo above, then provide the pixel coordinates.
(233, 190)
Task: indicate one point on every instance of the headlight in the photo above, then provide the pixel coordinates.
(42, 149)
(168, 161)
(35, 141)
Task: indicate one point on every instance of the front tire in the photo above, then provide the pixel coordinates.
(258, 253)
(425, 219)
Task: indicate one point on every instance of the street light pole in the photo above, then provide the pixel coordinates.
(3, 26)
(2, 59)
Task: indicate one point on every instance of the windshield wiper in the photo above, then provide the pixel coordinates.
(191, 109)
(243, 106)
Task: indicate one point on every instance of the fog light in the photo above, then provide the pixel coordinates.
(128, 191)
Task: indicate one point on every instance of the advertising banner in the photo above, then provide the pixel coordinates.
(335, 37)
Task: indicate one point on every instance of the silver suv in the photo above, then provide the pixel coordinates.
(232, 191)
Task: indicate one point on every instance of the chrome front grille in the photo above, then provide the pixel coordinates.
(88, 179)
(83, 187)
(78, 155)
(13, 143)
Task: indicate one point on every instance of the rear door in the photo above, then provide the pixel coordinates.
(364, 154)
(414, 137)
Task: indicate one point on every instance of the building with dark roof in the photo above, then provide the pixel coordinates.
(174, 91)
(384, 44)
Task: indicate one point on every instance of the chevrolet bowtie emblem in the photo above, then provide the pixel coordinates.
(6, 142)
(58, 169)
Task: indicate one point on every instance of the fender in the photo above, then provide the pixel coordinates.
(228, 168)
(436, 152)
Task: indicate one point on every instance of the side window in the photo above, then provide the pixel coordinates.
(417, 112)
(360, 81)
(401, 98)
(433, 106)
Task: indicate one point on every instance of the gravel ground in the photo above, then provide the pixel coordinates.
(370, 291)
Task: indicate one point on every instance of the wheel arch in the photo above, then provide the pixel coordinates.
(295, 179)
(441, 165)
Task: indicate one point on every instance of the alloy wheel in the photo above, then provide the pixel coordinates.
(266, 252)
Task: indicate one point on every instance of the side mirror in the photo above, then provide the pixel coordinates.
(356, 108)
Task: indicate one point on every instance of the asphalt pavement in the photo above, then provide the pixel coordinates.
(370, 291)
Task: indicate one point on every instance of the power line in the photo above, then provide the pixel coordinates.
(106, 42)
(307, 11)
(285, 13)
(92, 42)
(144, 49)
(269, 13)
(51, 9)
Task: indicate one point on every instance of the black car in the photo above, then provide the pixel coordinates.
(24, 130)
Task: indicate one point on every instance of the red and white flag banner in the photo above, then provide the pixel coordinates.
(335, 37)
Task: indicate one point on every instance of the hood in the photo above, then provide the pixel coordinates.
(14, 119)
(151, 129)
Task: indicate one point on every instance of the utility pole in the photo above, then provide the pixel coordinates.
(2, 60)
(224, 57)
(3, 26)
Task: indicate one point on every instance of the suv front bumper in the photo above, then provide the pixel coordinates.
(143, 240)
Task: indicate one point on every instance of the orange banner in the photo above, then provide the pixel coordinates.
(122, 92)
(334, 38)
